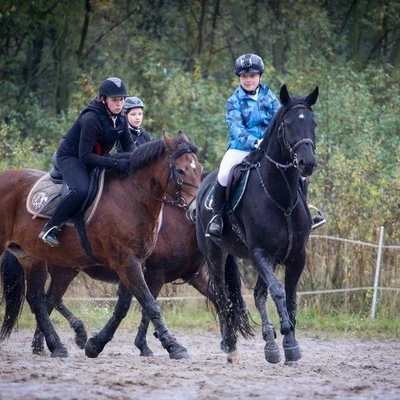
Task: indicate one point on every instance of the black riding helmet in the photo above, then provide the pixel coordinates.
(249, 63)
(113, 87)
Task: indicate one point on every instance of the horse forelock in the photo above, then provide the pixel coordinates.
(183, 147)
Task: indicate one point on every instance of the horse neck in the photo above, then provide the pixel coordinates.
(281, 182)
(152, 183)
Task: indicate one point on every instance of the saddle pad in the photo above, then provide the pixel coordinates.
(236, 196)
(238, 192)
(45, 195)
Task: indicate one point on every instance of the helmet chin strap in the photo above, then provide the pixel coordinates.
(251, 92)
(103, 100)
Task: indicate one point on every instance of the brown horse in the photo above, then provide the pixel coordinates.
(176, 256)
(122, 233)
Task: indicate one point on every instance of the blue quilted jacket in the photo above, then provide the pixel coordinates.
(247, 118)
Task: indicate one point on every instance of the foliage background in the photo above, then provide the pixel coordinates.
(178, 56)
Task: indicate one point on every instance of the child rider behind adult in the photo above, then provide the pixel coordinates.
(249, 111)
(134, 110)
(85, 147)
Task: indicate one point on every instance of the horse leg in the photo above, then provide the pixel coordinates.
(95, 345)
(219, 292)
(36, 275)
(133, 278)
(60, 280)
(140, 339)
(200, 283)
(271, 349)
(12, 278)
(292, 277)
(265, 267)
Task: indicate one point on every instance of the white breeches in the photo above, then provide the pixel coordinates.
(231, 158)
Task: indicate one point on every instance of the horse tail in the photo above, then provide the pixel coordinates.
(13, 283)
(239, 314)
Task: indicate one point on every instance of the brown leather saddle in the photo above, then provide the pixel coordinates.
(48, 191)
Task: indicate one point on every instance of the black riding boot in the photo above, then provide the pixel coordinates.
(52, 229)
(216, 225)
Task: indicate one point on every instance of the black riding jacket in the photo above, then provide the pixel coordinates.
(94, 134)
(138, 135)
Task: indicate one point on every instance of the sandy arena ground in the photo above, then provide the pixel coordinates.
(331, 368)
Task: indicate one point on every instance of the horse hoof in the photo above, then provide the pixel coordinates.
(81, 340)
(292, 363)
(272, 354)
(80, 335)
(178, 353)
(224, 347)
(91, 349)
(38, 352)
(233, 357)
(292, 355)
(145, 351)
(60, 353)
(179, 356)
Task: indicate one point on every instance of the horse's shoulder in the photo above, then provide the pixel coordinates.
(254, 157)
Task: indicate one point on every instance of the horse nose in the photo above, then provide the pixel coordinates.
(307, 167)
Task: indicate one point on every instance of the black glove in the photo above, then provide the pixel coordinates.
(122, 165)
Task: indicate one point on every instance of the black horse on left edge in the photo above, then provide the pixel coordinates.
(268, 222)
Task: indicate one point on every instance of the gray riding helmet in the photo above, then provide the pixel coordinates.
(133, 102)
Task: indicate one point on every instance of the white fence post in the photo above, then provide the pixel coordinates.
(377, 271)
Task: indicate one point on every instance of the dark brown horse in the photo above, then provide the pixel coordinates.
(176, 256)
(122, 234)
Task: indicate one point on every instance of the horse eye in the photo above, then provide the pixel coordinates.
(180, 171)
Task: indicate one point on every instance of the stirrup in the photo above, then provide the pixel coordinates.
(318, 220)
(215, 232)
(50, 236)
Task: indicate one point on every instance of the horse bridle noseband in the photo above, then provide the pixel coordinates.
(179, 183)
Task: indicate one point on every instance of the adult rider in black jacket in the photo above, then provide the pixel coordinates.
(86, 146)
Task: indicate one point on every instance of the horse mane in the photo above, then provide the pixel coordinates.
(146, 153)
(273, 125)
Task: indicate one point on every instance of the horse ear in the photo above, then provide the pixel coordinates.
(284, 95)
(182, 136)
(166, 137)
(311, 99)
